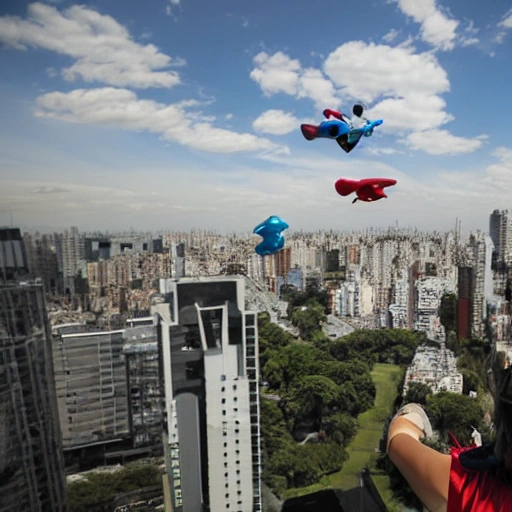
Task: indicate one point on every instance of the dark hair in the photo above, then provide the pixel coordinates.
(500, 385)
(357, 110)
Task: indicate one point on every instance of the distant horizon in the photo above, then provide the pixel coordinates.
(216, 232)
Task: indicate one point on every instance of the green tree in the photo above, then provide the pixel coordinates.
(472, 363)
(95, 494)
(309, 318)
(339, 427)
(455, 413)
(417, 393)
(310, 397)
(295, 361)
(448, 312)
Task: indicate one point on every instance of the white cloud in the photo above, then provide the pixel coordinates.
(121, 108)
(276, 73)
(55, 189)
(469, 41)
(412, 112)
(367, 71)
(441, 142)
(104, 50)
(288, 187)
(391, 35)
(436, 28)
(170, 8)
(506, 20)
(504, 25)
(403, 87)
(501, 172)
(313, 85)
(276, 122)
(279, 73)
(380, 151)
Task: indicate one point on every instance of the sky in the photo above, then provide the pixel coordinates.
(185, 114)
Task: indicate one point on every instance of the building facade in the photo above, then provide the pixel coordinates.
(91, 384)
(209, 353)
(31, 457)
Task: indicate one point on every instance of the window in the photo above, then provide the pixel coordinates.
(223, 400)
(225, 454)
(225, 445)
(235, 409)
(234, 387)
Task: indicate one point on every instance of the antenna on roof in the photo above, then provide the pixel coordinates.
(12, 225)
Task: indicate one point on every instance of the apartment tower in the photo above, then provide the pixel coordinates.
(209, 354)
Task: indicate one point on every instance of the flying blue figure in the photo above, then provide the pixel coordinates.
(271, 231)
(345, 130)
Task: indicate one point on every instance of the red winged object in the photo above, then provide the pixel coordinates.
(368, 190)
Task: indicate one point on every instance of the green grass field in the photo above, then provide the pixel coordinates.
(362, 448)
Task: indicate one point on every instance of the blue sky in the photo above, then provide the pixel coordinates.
(185, 114)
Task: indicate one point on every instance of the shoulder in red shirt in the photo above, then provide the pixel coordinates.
(474, 490)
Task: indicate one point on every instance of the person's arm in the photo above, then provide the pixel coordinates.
(334, 113)
(426, 470)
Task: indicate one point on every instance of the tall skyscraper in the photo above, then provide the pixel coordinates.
(209, 354)
(73, 257)
(500, 227)
(31, 460)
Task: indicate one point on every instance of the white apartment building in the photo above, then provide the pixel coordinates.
(211, 433)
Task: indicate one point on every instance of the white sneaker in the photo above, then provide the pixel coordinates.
(416, 415)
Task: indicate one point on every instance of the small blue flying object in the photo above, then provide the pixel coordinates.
(271, 231)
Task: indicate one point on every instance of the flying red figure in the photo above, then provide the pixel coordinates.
(368, 190)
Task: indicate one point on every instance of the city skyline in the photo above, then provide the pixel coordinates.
(122, 116)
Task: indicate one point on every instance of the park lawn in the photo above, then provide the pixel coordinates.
(362, 448)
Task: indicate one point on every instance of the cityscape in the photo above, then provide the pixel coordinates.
(136, 346)
(163, 347)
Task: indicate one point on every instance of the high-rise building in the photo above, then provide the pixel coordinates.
(178, 260)
(500, 231)
(145, 395)
(209, 354)
(31, 458)
(480, 254)
(73, 257)
(464, 302)
(91, 385)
